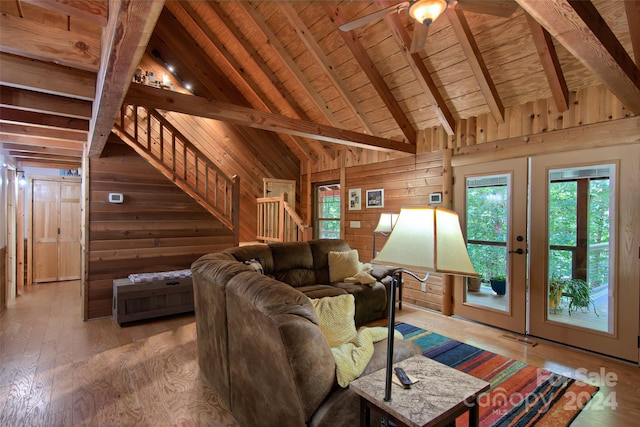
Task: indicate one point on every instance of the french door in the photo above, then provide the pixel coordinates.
(491, 201)
(573, 273)
(585, 208)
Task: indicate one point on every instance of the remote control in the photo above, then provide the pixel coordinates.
(402, 376)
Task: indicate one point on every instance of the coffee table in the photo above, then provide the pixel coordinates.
(437, 399)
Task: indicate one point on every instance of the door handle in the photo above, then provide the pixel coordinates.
(518, 251)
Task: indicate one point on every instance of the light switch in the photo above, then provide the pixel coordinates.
(354, 224)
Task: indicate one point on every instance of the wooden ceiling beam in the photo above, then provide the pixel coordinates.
(276, 83)
(49, 164)
(329, 70)
(93, 11)
(472, 52)
(31, 74)
(369, 68)
(229, 64)
(632, 9)
(416, 64)
(578, 26)
(40, 132)
(550, 63)
(172, 39)
(42, 156)
(125, 38)
(45, 43)
(244, 116)
(279, 50)
(42, 149)
(35, 141)
(9, 115)
(38, 102)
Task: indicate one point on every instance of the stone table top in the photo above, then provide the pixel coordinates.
(439, 391)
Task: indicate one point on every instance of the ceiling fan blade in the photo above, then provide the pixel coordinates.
(500, 8)
(419, 38)
(372, 17)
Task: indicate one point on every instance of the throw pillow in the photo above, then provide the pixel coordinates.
(255, 264)
(336, 316)
(343, 264)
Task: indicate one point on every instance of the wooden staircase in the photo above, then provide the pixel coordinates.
(161, 144)
(279, 222)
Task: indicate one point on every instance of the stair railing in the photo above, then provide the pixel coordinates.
(279, 222)
(160, 143)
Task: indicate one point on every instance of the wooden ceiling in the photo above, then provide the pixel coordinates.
(286, 67)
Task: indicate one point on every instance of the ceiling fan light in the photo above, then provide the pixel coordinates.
(426, 11)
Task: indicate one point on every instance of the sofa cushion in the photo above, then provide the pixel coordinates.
(342, 265)
(293, 263)
(262, 253)
(321, 291)
(320, 249)
(371, 300)
(336, 318)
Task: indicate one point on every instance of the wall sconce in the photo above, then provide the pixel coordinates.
(23, 179)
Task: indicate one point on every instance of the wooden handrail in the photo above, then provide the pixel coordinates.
(154, 138)
(279, 222)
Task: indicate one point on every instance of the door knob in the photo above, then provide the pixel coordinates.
(518, 251)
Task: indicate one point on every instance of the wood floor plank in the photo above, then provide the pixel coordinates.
(57, 370)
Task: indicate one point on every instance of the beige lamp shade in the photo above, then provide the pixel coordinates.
(428, 238)
(386, 223)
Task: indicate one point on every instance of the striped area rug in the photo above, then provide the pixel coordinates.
(520, 394)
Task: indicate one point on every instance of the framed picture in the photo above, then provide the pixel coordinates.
(375, 198)
(355, 199)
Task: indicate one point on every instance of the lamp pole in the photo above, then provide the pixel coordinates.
(396, 278)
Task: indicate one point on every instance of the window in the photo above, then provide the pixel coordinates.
(327, 211)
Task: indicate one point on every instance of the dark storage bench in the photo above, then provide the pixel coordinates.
(138, 301)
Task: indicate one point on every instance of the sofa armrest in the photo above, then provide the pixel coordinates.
(380, 272)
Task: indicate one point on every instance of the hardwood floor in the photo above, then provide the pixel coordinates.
(60, 371)
(57, 370)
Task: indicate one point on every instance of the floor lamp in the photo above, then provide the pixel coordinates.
(428, 239)
(385, 225)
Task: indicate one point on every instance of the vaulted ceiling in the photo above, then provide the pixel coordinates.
(65, 68)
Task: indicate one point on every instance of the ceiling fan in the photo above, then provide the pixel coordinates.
(424, 12)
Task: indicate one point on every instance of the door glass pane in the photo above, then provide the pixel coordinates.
(580, 250)
(486, 221)
(328, 211)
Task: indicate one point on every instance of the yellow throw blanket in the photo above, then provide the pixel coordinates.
(352, 357)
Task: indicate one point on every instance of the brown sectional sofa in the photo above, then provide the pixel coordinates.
(259, 343)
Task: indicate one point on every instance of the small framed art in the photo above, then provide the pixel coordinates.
(355, 199)
(375, 198)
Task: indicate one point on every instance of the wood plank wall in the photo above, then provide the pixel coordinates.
(409, 180)
(593, 104)
(157, 228)
(406, 182)
(3, 279)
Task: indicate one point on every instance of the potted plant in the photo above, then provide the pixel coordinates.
(499, 284)
(474, 283)
(556, 285)
(579, 294)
